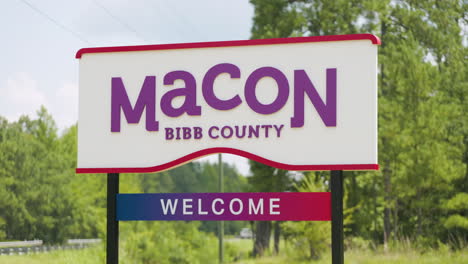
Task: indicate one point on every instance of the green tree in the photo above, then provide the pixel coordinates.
(40, 195)
(422, 109)
(267, 179)
(311, 238)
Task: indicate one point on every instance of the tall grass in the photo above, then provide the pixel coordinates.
(368, 257)
(237, 251)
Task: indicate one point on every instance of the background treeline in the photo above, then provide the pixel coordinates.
(41, 197)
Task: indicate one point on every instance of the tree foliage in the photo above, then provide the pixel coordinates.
(423, 138)
(41, 197)
(39, 192)
(310, 238)
(267, 179)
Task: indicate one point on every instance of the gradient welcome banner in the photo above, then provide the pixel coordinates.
(225, 206)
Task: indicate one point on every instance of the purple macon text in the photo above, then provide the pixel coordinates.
(326, 109)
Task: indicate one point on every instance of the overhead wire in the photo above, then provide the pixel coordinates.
(57, 23)
(180, 19)
(107, 11)
(121, 22)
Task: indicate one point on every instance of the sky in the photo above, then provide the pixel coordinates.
(40, 39)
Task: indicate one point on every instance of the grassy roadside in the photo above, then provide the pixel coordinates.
(397, 256)
(241, 248)
(357, 257)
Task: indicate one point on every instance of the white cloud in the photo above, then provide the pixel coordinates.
(65, 105)
(21, 97)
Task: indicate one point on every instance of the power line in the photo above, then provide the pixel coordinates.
(63, 27)
(180, 17)
(121, 22)
(157, 6)
(181, 20)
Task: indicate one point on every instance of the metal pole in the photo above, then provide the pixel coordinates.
(112, 243)
(336, 185)
(221, 223)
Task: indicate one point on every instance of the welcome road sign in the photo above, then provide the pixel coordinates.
(298, 103)
(305, 103)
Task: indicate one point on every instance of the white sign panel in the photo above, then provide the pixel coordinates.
(296, 103)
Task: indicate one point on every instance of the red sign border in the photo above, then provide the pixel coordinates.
(237, 152)
(231, 43)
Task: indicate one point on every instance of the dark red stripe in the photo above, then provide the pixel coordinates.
(237, 152)
(232, 43)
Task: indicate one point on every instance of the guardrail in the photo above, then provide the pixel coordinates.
(36, 246)
(84, 241)
(21, 243)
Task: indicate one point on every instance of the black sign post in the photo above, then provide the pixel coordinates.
(336, 186)
(112, 242)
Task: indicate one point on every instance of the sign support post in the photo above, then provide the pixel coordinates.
(221, 223)
(336, 185)
(112, 242)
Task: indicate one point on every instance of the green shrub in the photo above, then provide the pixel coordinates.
(167, 242)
